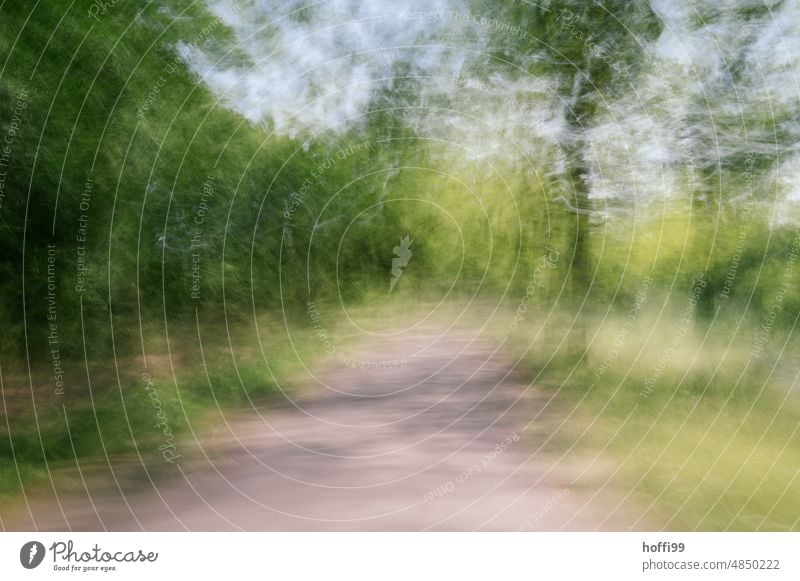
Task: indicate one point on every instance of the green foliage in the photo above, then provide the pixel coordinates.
(194, 225)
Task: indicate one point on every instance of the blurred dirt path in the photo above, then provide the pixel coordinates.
(438, 441)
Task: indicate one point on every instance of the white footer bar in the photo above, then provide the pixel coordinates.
(400, 556)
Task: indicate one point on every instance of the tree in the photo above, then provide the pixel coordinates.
(594, 50)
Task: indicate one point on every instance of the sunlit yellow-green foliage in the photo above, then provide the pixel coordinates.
(694, 424)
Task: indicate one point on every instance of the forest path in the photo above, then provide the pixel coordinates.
(447, 437)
